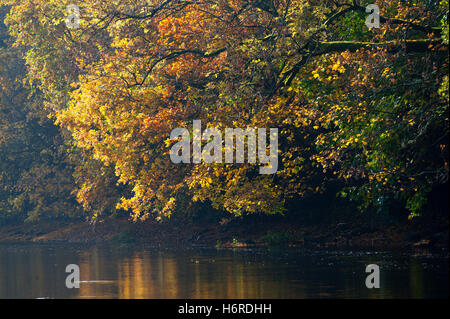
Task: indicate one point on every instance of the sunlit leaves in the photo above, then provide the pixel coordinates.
(365, 107)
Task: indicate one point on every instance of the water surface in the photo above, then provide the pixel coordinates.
(38, 271)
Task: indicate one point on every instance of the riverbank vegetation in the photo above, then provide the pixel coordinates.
(86, 111)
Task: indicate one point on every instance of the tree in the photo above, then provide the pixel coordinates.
(35, 175)
(365, 107)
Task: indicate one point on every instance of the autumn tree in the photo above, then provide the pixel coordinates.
(366, 107)
(35, 175)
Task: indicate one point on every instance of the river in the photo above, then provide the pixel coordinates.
(130, 271)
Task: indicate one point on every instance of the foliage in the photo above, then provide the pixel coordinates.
(366, 107)
(35, 174)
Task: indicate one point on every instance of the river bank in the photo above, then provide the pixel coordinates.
(246, 232)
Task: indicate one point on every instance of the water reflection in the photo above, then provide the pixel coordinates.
(37, 271)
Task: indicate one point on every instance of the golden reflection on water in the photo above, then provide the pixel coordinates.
(146, 276)
(39, 272)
